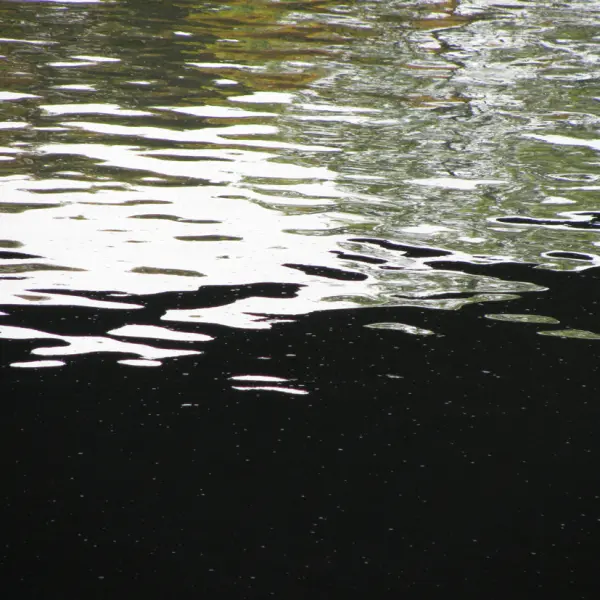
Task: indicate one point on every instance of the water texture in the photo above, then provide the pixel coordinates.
(299, 299)
(354, 155)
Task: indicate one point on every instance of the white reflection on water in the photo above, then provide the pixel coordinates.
(4, 40)
(269, 388)
(134, 362)
(12, 125)
(173, 182)
(563, 140)
(229, 168)
(77, 345)
(85, 109)
(268, 378)
(8, 96)
(264, 97)
(254, 313)
(221, 112)
(83, 87)
(38, 364)
(107, 235)
(100, 59)
(159, 333)
(455, 183)
(227, 66)
(227, 136)
(72, 63)
(89, 344)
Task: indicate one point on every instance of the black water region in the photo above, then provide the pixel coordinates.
(415, 466)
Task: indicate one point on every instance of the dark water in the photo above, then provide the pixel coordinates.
(300, 298)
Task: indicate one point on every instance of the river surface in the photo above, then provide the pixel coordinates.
(249, 227)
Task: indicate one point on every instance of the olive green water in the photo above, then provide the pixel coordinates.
(163, 146)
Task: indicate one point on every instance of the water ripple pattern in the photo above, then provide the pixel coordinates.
(165, 169)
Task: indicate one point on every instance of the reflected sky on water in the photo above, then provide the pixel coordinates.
(344, 150)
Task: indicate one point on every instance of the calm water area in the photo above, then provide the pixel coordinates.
(300, 298)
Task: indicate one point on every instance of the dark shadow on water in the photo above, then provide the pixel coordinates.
(460, 462)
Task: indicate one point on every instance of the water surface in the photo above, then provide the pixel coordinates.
(300, 299)
(150, 148)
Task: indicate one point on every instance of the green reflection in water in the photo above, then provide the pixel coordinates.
(19, 208)
(208, 238)
(32, 267)
(10, 244)
(579, 334)
(522, 318)
(424, 123)
(175, 272)
(411, 329)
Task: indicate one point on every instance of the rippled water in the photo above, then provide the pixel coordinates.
(171, 167)
(357, 243)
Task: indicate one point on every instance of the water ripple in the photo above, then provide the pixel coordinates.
(374, 155)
